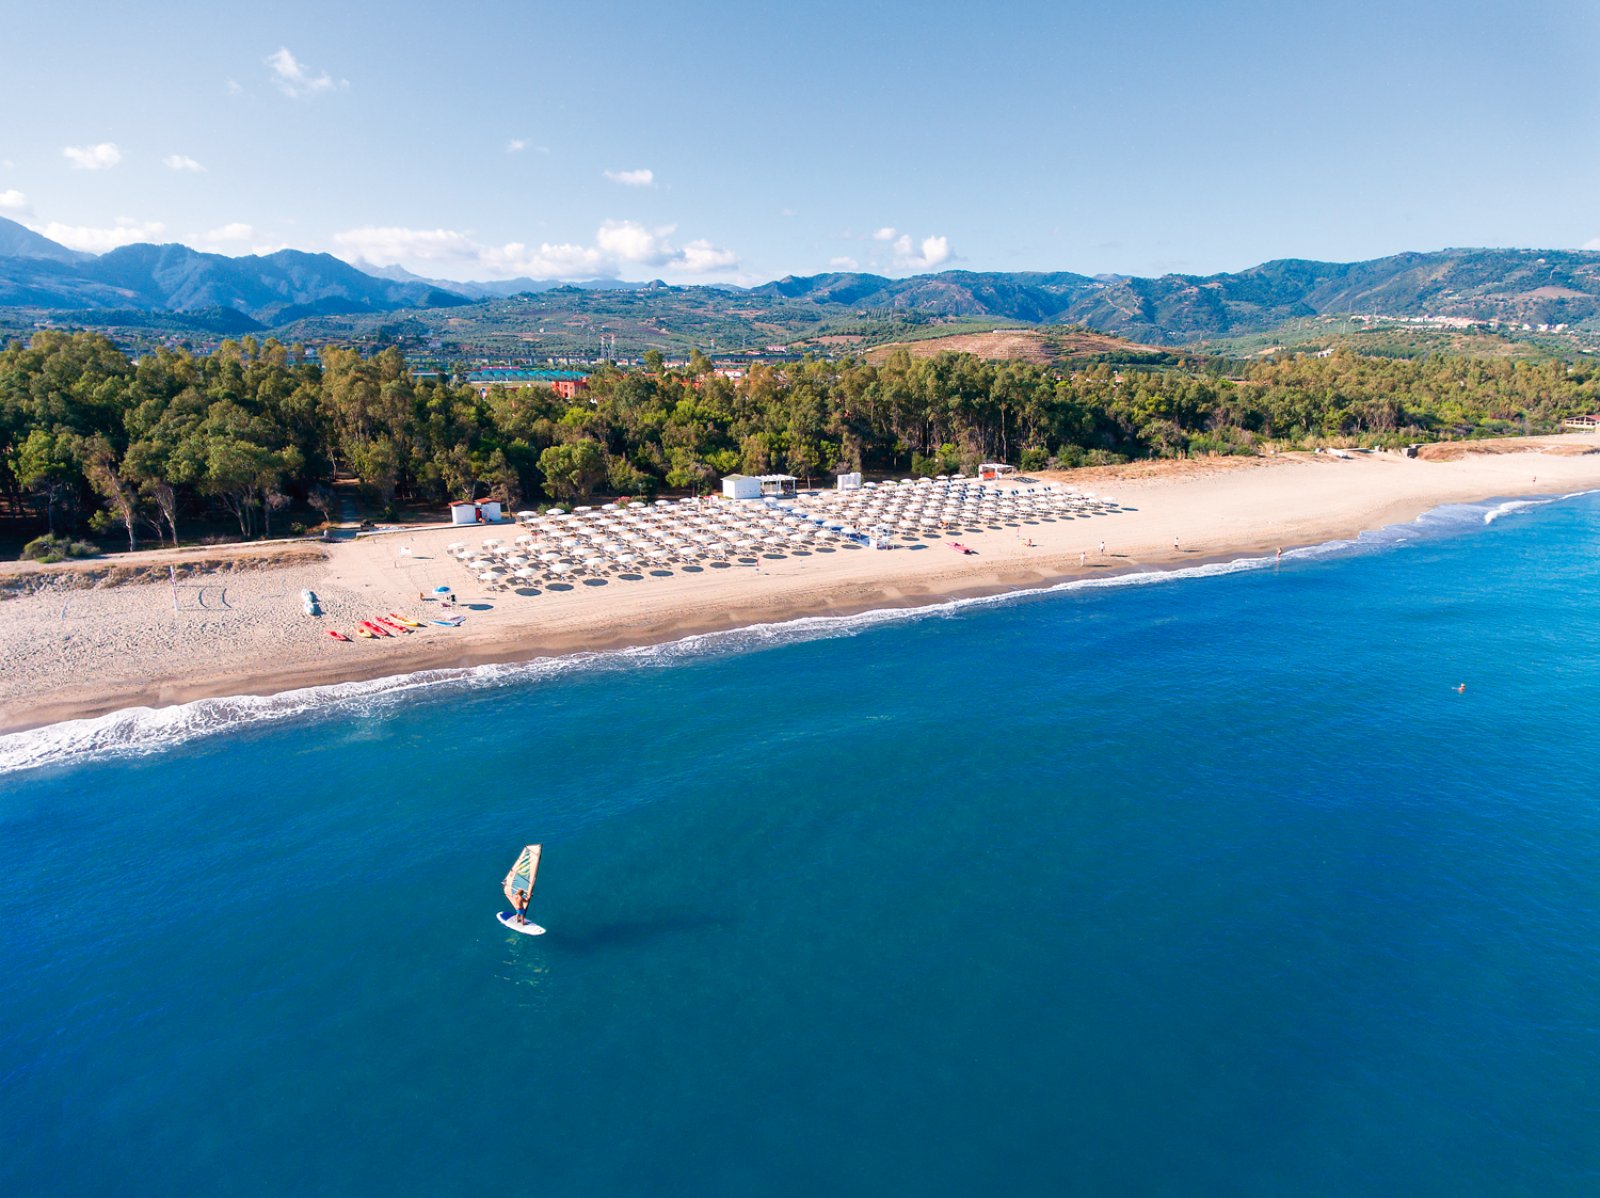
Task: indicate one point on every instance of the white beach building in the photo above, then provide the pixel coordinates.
(741, 486)
(475, 511)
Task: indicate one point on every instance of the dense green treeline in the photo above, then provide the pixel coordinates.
(89, 437)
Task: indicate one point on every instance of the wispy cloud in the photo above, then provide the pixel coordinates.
(231, 234)
(126, 231)
(887, 233)
(639, 178)
(232, 88)
(12, 200)
(296, 80)
(182, 162)
(235, 238)
(618, 246)
(101, 157)
(844, 264)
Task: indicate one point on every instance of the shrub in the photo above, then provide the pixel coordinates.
(51, 549)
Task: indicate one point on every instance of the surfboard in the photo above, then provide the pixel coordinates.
(509, 919)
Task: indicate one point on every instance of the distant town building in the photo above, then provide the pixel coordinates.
(565, 383)
(1583, 424)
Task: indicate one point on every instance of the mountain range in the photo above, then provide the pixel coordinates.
(1533, 286)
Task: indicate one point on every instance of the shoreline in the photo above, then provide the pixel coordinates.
(255, 649)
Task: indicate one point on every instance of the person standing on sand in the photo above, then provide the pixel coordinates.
(1083, 558)
(1102, 548)
(1175, 548)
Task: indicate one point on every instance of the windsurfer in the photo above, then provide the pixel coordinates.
(522, 906)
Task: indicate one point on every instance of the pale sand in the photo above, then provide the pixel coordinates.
(70, 653)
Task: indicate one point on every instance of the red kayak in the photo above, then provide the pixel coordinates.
(337, 635)
(377, 629)
(390, 624)
(959, 547)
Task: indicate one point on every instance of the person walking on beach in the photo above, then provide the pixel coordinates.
(1083, 557)
(1175, 548)
(1102, 548)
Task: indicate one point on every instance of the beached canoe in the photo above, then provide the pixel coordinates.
(367, 634)
(385, 622)
(399, 619)
(337, 635)
(449, 621)
(376, 629)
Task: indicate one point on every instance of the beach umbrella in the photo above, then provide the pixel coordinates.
(441, 590)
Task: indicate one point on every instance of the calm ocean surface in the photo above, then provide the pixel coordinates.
(1209, 887)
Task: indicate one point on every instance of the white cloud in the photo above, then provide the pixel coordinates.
(787, 212)
(516, 145)
(618, 246)
(887, 233)
(101, 157)
(931, 253)
(182, 162)
(700, 257)
(296, 80)
(235, 238)
(12, 200)
(232, 88)
(126, 231)
(844, 264)
(639, 178)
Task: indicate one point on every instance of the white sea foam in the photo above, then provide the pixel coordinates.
(140, 731)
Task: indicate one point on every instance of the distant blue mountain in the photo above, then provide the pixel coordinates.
(271, 288)
(495, 288)
(1543, 286)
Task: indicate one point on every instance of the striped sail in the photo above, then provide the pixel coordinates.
(522, 875)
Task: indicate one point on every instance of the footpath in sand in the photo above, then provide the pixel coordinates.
(75, 642)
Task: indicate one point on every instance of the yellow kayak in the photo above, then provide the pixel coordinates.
(399, 619)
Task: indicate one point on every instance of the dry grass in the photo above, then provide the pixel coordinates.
(1015, 345)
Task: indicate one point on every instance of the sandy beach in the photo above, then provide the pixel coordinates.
(75, 642)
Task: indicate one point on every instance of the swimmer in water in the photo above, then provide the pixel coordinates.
(1462, 689)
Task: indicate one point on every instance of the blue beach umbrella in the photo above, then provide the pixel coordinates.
(441, 590)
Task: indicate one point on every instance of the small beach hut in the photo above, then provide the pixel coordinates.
(741, 486)
(475, 511)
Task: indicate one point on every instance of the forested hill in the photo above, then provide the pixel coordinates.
(1533, 286)
(272, 291)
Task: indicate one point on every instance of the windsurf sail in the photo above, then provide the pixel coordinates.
(522, 875)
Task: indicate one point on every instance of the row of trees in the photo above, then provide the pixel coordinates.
(88, 435)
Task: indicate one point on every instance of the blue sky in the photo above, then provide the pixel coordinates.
(723, 142)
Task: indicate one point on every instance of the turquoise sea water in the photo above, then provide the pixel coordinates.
(1215, 886)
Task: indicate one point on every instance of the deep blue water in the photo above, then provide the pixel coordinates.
(1216, 886)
